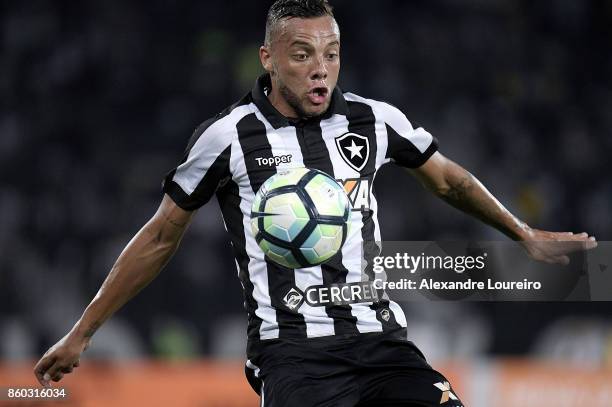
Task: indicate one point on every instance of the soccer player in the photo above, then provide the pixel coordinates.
(301, 354)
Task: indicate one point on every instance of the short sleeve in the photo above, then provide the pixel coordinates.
(406, 146)
(205, 166)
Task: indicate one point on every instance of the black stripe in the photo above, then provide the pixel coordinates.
(254, 143)
(229, 201)
(362, 121)
(404, 153)
(206, 124)
(216, 175)
(315, 155)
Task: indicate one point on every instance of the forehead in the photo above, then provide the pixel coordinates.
(322, 28)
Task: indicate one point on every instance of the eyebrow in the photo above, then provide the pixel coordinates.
(308, 45)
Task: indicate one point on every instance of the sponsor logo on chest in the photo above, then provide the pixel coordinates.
(275, 160)
(358, 192)
(333, 294)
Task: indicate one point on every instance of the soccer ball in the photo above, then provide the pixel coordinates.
(300, 217)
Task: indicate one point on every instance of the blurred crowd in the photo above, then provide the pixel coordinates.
(99, 100)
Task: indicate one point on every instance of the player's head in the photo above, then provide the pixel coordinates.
(301, 52)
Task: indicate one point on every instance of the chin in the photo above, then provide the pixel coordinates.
(317, 111)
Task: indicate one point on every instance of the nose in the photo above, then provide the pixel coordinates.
(319, 71)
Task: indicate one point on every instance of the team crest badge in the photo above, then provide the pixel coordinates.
(354, 149)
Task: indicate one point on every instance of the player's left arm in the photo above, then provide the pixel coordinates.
(457, 186)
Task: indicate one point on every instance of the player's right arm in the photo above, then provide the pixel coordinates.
(139, 263)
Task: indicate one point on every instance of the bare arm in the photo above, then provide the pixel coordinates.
(459, 188)
(139, 263)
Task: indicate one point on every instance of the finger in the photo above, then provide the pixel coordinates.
(544, 258)
(67, 369)
(591, 243)
(57, 377)
(41, 368)
(47, 379)
(557, 260)
(582, 235)
(568, 246)
(53, 371)
(585, 244)
(564, 260)
(570, 237)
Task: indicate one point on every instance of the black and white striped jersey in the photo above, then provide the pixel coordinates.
(232, 154)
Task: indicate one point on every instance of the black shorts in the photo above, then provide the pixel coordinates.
(365, 370)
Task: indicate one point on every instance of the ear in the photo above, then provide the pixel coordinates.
(266, 58)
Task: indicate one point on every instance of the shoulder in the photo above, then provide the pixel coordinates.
(220, 129)
(383, 111)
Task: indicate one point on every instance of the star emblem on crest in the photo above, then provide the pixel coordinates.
(354, 150)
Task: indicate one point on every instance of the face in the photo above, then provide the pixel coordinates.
(303, 59)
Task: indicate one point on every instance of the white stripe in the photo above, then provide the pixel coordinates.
(399, 313)
(237, 267)
(258, 271)
(263, 402)
(253, 367)
(216, 138)
(318, 323)
(352, 250)
(395, 118)
(374, 206)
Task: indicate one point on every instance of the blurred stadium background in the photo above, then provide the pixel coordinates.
(100, 98)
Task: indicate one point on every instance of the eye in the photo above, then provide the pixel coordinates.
(300, 57)
(332, 56)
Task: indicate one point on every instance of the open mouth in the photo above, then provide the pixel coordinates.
(318, 95)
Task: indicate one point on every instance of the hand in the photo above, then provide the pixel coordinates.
(60, 359)
(553, 247)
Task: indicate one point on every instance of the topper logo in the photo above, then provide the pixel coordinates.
(274, 160)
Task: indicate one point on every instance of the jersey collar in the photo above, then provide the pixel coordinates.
(277, 120)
